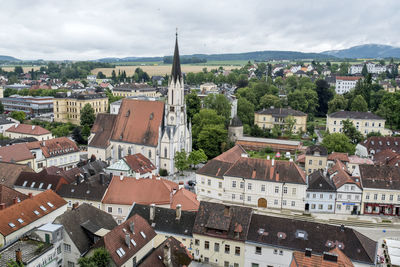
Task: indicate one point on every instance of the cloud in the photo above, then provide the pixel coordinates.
(78, 30)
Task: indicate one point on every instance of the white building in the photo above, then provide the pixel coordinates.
(371, 67)
(345, 83)
(321, 193)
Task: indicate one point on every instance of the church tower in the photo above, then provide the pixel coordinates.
(176, 109)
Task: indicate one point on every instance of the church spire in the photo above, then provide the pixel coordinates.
(176, 72)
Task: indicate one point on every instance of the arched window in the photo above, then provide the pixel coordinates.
(149, 154)
(165, 153)
(119, 152)
(129, 151)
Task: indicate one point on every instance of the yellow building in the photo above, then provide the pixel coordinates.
(1, 92)
(67, 107)
(268, 118)
(316, 158)
(135, 89)
(365, 122)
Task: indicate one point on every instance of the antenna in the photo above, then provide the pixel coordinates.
(176, 33)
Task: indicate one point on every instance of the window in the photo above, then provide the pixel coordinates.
(276, 189)
(233, 196)
(241, 184)
(391, 197)
(320, 206)
(241, 197)
(67, 248)
(383, 197)
(367, 196)
(109, 209)
(329, 207)
(293, 203)
(255, 265)
(313, 206)
(321, 196)
(206, 260)
(308, 195)
(209, 182)
(197, 242)
(207, 245)
(227, 249)
(314, 195)
(338, 207)
(275, 202)
(263, 187)
(347, 207)
(357, 197)
(320, 163)
(226, 263)
(285, 190)
(283, 202)
(71, 264)
(216, 247)
(281, 252)
(275, 251)
(375, 196)
(119, 210)
(348, 196)
(237, 251)
(219, 184)
(293, 191)
(236, 265)
(258, 250)
(249, 185)
(352, 188)
(233, 184)
(202, 180)
(310, 162)
(339, 196)
(59, 249)
(249, 198)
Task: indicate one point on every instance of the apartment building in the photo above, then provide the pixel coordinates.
(26, 130)
(315, 158)
(345, 83)
(135, 89)
(67, 107)
(321, 193)
(31, 105)
(365, 122)
(268, 118)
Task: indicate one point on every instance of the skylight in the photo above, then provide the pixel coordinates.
(41, 185)
(50, 204)
(20, 220)
(43, 208)
(120, 252)
(133, 242)
(49, 186)
(24, 184)
(144, 236)
(11, 224)
(36, 212)
(33, 184)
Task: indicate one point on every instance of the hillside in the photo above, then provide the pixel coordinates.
(366, 51)
(8, 58)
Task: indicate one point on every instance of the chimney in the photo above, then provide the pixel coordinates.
(178, 211)
(85, 175)
(342, 227)
(330, 257)
(1, 158)
(102, 178)
(273, 162)
(127, 240)
(18, 256)
(15, 200)
(180, 185)
(152, 212)
(244, 155)
(121, 177)
(2, 206)
(30, 195)
(308, 252)
(33, 127)
(268, 158)
(77, 179)
(167, 255)
(132, 227)
(75, 205)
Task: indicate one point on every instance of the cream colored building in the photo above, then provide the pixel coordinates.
(26, 130)
(135, 89)
(209, 88)
(316, 158)
(268, 118)
(67, 107)
(365, 122)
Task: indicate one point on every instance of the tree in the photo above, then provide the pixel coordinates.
(100, 258)
(359, 104)
(242, 81)
(87, 115)
(337, 103)
(181, 160)
(193, 104)
(371, 134)
(113, 76)
(197, 156)
(18, 70)
(290, 122)
(203, 118)
(304, 100)
(77, 136)
(364, 71)
(351, 132)
(219, 103)
(212, 139)
(18, 115)
(338, 142)
(325, 94)
(245, 111)
(100, 75)
(267, 101)
(1, 108)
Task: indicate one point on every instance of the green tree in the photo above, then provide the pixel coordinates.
(242, 81)
(181, 160)
(203, 118)
(18, 115)
(77, 136)
(371, 134)
(100, 75)
(304, 100)
(338, 142)
(267, 101)
(193, 104)
(325, 94)
(197, 156)
(100, 258)
(351, 132)
(219, 103)
(359, 104)
(389, 108)
(245, 111)
(290, 121)
(364, 71)
(113, 76)
(337, 103)
(87, 115)
(212, 139)
(18, 70)
(1, 108)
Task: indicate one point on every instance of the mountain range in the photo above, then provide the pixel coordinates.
(369, 51)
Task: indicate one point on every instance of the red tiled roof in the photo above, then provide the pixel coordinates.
(348, 78)
(55, 147)
(142, 191)
(15, 153)
(342, 175)
(115, 239)
(102, 128)
(139, 163)
(40, 181)
(232, 155)
(9, 172)
(343, 157)
(7, 195)
(139, 122)
(187, 199)
(28, 129)
(357, 160)
(25, 210)
(301, 158)
(387, 156)
(301, 260)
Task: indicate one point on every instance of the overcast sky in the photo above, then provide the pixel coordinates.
(85, 29)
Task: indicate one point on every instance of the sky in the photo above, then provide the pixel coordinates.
(85, 29)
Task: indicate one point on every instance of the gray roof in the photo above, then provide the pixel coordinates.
(76, 223)
(281, 112)
(5, 121)
(29, 248)
(343, 114)
(318, 182)
(236, 122)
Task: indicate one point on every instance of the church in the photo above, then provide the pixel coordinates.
(155, 129)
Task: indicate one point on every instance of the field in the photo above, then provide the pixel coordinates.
(157, 69)
(25, 68)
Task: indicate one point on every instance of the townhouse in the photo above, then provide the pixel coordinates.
(28, 214)
(26, 130)
(18, 153)
(315, 158)
(345, 83)
(271, 117)
(365, 122)
(135, 165)
(381, 189)
(321, 193)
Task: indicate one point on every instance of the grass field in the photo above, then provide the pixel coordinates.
(25, 68)
(156, 69)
